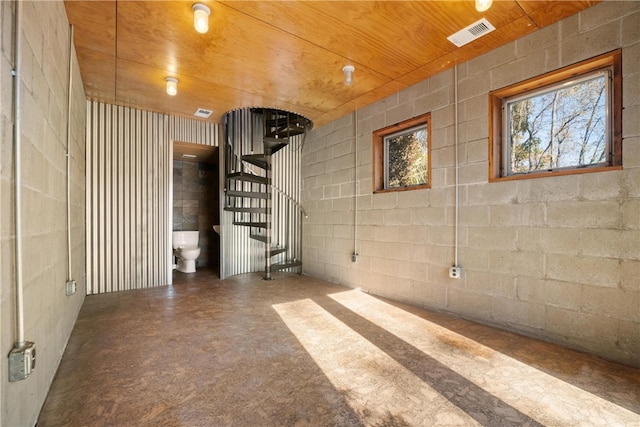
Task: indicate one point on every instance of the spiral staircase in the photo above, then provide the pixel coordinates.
(254, 137)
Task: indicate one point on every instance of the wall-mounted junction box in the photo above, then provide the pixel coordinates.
(70, 288)
(455, 272)
(22, 360)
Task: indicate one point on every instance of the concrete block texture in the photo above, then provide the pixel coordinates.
(49, 315)
(555, 257)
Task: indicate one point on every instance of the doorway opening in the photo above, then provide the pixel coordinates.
(195, 199)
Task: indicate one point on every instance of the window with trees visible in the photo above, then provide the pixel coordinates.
(401, 155)
(567, 121)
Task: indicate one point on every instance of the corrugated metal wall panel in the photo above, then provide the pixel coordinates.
(240, 254)
(287, 218)
(129, 188)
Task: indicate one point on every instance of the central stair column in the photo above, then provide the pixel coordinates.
(267, 258)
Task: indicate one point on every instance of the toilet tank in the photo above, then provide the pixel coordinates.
(185, 239)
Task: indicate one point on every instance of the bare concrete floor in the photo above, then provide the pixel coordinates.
(297, 351)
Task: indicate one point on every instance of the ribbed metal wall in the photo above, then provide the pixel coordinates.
(240, 254)
(243, 134)
(286, 196)
(129, 189)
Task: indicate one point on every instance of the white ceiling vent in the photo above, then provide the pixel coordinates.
(472, 32)
(204, 113)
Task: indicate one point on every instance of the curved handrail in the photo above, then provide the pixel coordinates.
(291, 199)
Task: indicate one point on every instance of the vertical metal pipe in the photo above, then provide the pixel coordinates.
(89, 197)
(457, 160)
(267, 258)
(17, 140)
(355, 182)
(68, 154)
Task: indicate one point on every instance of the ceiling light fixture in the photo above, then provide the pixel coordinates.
(172, 86)
(201, 17)
(483, 5)
(348, 74)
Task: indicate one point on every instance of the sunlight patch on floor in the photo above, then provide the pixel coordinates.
(379, 389)
(541, 396)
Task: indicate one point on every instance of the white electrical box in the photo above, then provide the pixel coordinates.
(70, 288)
(22, 360)
(455, 272)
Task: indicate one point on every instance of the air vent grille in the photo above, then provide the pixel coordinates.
(472, 32)
(202, 112)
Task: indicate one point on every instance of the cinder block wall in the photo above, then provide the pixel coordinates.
(556, 258)
(49, 314)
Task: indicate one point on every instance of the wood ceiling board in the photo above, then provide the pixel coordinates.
(270, 62)
(360, 102)
(392, 37)
(98, 71)
(255, 53)
(140, 85)
(362, 32)
(547, 12)
(94, 24)
(488, 42)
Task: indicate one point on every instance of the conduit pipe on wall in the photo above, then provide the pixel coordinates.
(17, 150)
(68, 155)
(354, 256)
(22, 357)
(457, 163)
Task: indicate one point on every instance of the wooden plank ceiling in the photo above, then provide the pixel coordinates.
(283, 54)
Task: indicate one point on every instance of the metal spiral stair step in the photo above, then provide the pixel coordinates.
(259, 160)
(275, 251)
(275, 144)
(259, 237)
(286, 264)
(240, 176)
(246, 209)
(250, 194)
(285, 132)
(251, 224)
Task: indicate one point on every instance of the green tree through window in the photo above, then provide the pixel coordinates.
(407, 159)
(402, 155)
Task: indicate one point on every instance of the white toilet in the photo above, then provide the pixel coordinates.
(185, 248)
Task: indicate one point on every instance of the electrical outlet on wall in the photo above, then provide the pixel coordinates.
(22, 360)
(70, 288)
(455, 272)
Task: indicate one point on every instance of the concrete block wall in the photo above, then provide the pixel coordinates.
(556, 258)
(49, 315)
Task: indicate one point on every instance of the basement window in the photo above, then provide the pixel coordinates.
(401, 154)
(564, 122)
